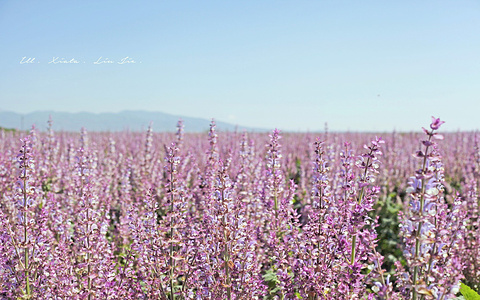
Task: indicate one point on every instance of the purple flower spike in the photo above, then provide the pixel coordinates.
(436, 123)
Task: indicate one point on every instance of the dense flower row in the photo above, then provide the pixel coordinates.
(238, 215)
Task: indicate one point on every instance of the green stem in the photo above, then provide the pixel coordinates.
(275, 199)
(360, 198)
(25, 224)
(352, 258)
(172, 262)
(226, 254)
(417, 235)
(226, 261)
(88, 261)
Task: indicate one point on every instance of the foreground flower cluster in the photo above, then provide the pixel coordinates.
(238, 216)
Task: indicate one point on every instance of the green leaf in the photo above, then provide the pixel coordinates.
(468, 293)
(297, 294)
(271, 277)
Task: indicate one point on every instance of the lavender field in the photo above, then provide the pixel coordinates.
(239, 215)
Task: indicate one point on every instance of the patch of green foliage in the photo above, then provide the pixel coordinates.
(468, 293)
(272, 281)
(388, 236)
(47, 185)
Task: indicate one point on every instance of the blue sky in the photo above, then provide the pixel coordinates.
(358, 65)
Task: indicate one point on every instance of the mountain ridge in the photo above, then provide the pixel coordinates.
(132, 120)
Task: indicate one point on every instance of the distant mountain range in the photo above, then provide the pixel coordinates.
(125, 120)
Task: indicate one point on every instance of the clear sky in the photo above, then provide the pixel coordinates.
(358, 65)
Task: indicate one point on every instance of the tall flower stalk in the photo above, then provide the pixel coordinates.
(368, 163)
(313, 264)
(425, 227)
(28, 236)
(280, 221)
(25, 203)
(175, 220)
(275, 180)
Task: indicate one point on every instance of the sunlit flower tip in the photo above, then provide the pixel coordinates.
(436, 123)
(377, 141)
